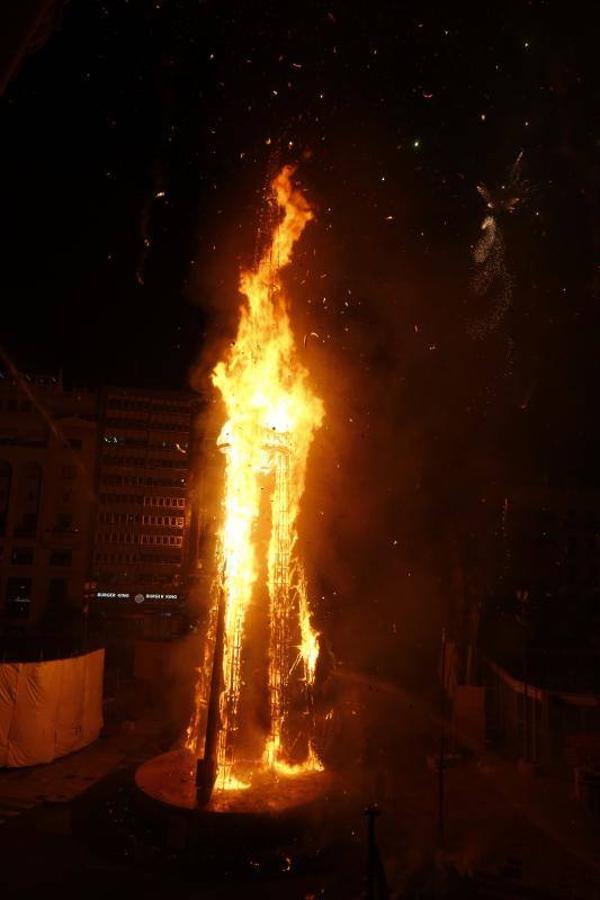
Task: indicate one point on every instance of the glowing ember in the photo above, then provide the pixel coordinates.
(272, 415)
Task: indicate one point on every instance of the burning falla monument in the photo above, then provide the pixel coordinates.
(260, 589)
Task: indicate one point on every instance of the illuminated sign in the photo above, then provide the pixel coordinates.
(138, 598)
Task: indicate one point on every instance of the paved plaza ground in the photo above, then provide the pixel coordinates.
(72, 829)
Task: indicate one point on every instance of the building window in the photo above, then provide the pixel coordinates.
(58, 592)
(18, 597)
(61, 557)
(64, 522)
(29, 490)
(22, 556)
(5, 480)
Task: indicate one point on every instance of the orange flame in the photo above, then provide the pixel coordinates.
(272, 415)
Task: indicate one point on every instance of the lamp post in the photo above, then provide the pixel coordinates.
(376, 883)
(89, 591)
(442, 752)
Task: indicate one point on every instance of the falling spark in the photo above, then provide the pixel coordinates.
(492, 278)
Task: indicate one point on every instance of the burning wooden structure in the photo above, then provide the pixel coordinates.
(271, 416)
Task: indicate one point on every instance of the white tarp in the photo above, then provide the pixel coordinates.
(48, 709)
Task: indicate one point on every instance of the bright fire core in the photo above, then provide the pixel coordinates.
(271, 418)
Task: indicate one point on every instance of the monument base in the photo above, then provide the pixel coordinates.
(274, 808)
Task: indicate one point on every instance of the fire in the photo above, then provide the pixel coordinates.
(272, 415)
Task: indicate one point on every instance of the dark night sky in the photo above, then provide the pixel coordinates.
(128, 99)
(160, 122)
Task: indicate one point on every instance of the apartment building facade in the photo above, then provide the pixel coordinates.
(47, 495)
(95, 511)
(143, 513)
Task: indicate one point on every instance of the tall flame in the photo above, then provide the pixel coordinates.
(272, 415)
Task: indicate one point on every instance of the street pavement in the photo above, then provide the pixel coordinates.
(72, 823)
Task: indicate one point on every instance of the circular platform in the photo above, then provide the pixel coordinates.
(169, 780)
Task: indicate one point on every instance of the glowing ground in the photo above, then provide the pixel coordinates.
(170, 779)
